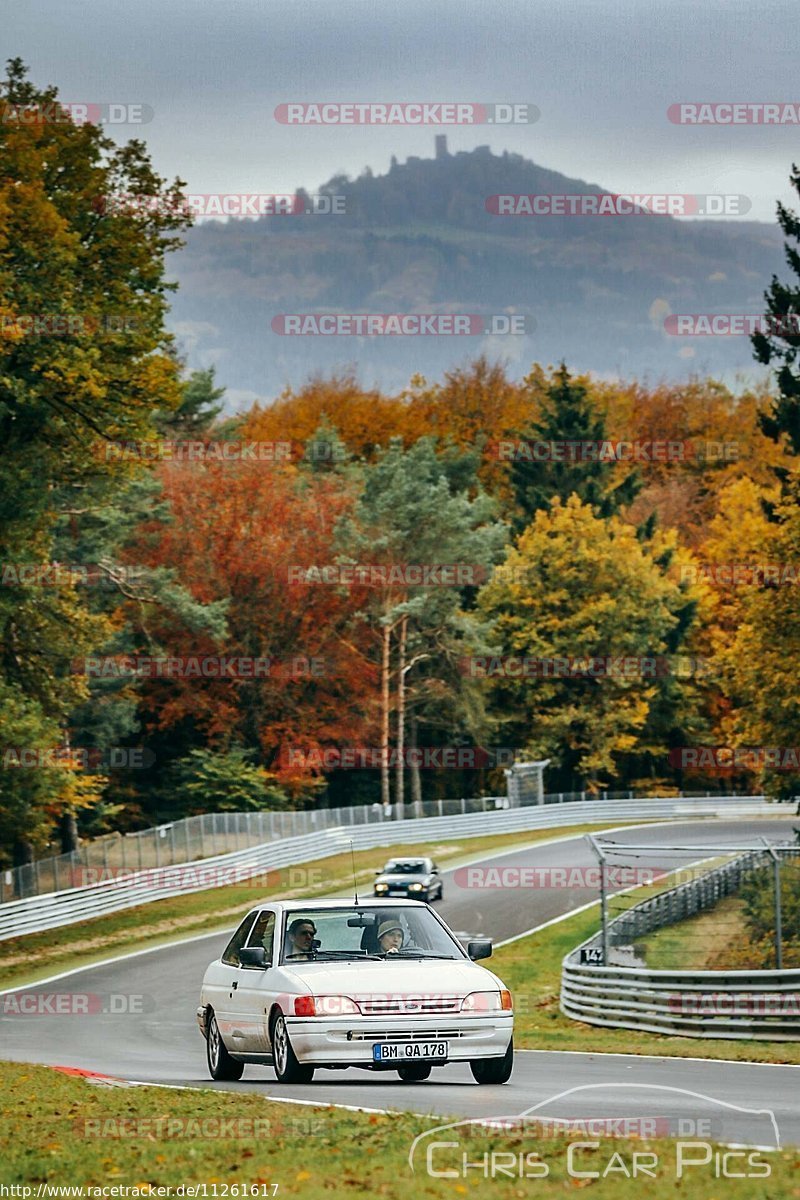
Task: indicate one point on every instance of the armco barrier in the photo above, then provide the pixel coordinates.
(761, 1005)
(211, 834)
(112, 895)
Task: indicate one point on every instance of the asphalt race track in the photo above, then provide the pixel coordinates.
(163, 1045)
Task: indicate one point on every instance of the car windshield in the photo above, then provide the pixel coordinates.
(355, 933)
(404, 866)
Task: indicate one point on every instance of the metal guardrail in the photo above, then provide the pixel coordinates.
(763, 1005)
(128, 889)
(205, 836)
(211, 834)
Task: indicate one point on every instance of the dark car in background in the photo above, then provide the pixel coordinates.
(414, 877)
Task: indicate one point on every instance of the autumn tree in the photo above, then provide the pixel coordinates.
(84, 359)
(414, 510)
(576, 589)
(760, 655)
(249, 537)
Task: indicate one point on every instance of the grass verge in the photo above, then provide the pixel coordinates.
(165, 921)
(59, 1132)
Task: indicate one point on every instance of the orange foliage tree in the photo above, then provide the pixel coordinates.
(237, 532)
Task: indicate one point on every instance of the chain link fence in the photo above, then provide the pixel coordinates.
(770, 877)
(212, 834)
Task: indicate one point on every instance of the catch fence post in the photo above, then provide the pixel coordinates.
(776, 867)
(603, 897)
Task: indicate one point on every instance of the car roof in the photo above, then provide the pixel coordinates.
(410, 858)
(311, 903)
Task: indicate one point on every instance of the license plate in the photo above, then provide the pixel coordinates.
(408, 1051)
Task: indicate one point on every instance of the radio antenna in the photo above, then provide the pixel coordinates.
(353, 863)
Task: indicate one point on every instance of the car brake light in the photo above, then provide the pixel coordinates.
(304, 1006)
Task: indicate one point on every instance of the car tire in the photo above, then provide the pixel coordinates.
(284, 1059)
(441, 891)
(220, 1063)
(414, 1072)
(493, 1070)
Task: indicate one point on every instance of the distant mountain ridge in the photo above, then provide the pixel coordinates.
(420, 239)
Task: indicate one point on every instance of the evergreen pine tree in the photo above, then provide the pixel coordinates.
(568, 415)
(780, 345)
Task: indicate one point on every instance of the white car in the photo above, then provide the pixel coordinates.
(383, 985)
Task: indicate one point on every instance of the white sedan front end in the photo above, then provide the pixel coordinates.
(382, 985)
(380, 1014)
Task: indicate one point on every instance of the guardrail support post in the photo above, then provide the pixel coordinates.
(776, 867)
(603, 897)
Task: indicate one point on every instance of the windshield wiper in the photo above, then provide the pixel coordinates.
(421, 954)
(354, 954)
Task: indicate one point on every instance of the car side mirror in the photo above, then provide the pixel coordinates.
(379, 872)
(253, 956)
(479, 948)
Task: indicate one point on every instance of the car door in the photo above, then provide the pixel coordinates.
(222, 981)
(256, 989)
(436, 882)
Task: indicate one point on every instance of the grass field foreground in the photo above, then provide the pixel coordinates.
(60, 1132)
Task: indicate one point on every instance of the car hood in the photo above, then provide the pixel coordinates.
(432, 976)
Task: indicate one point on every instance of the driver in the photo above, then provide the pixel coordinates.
(390, 937)
(300, 938)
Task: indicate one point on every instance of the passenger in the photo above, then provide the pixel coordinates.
(390, 937)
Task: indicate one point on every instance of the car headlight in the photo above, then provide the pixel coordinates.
(381, 887)
(480, 1002)
(415, 887)
(324, 1006)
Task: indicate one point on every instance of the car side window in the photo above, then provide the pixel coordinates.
(434, 868)
(263, 933)
(230, 954)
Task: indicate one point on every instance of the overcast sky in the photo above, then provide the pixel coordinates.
(602, 73)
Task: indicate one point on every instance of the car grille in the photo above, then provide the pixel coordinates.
(409, 1006)
(424, 1035)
